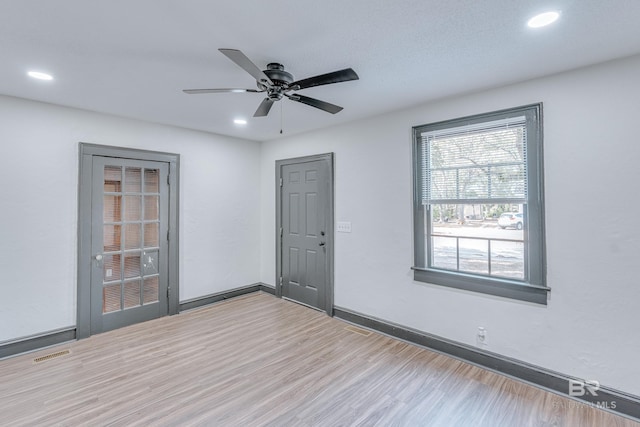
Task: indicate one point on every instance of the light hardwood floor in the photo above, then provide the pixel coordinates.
(260, 361)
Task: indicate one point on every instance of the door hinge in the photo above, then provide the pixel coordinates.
(168, 289)
(168, 234)
(280, 280)
(169, 178)
(280, 232)
(280, 182)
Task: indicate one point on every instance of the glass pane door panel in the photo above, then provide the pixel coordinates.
(150, 261)
(132, 208)
(112, 235)
(112, 208)
(132, 294)
(151, 208)
(132, 236)
(150, 290)
(151, 235)
(112, 179)
(132, 265)
(151, 181)
(133, 180)
(111, 298)
(112, 267)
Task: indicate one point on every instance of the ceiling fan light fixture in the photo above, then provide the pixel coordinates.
(39, 75)
(543, 19)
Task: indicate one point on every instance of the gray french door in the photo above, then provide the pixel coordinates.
(306, 231)
(129, 242)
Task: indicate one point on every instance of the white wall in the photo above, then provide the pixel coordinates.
(219, 216)
(589, 329)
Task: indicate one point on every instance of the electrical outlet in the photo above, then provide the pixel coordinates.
(109, 272)
(481, 337)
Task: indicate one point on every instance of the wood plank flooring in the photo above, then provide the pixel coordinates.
(260, 361)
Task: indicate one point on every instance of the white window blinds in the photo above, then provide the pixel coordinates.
(479, 163)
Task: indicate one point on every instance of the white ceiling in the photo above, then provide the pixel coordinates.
(132, 58)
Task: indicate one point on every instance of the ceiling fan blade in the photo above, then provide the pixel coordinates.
(324, 79)
(264, 108)
(329, 108)
(245, 63)
(232, 90)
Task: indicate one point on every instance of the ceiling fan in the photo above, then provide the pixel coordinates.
(276, 83)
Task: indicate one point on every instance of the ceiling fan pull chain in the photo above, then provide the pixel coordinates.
(281, 118)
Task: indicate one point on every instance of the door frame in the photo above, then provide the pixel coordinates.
(330, 159)
(85, 177)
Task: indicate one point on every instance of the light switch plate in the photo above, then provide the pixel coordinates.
(343, 227)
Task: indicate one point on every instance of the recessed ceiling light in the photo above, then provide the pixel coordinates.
(543, 19)
(240, 121)
(39, 75)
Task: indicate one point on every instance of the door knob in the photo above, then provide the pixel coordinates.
(98, 257)
(321, 244)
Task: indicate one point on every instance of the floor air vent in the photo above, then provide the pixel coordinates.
(364, 332)
(51, 356)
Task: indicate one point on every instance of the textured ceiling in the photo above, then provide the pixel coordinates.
(132, 58)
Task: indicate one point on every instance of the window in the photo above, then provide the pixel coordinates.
(478, 204)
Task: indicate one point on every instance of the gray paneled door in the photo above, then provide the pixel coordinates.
(305, 220)
(129, 232)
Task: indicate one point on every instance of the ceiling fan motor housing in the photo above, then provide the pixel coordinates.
(280, 78)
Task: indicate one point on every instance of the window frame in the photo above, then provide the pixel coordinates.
(534, 290)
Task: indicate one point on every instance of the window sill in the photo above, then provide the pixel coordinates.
(490, 286)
